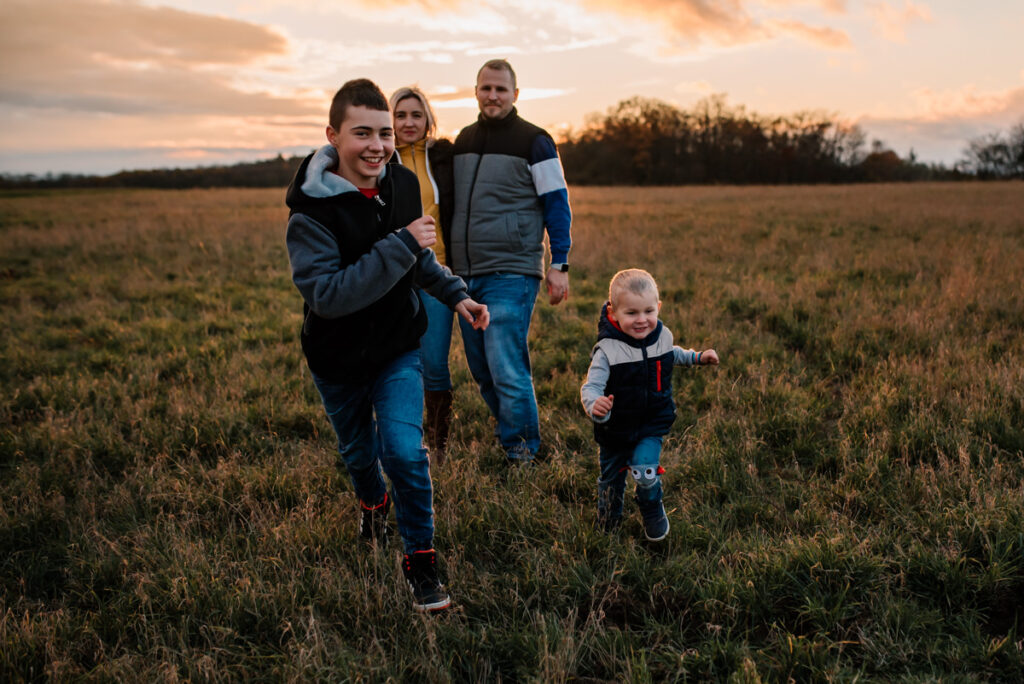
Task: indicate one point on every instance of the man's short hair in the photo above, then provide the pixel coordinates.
(359, 92)
(635, 280)
(414, 92)
(499, 65)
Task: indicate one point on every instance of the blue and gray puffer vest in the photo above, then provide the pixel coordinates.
(498, 219)
(640, 378)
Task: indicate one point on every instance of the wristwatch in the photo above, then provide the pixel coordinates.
(564, 268)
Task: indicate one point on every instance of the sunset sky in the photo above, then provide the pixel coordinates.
(97, 86)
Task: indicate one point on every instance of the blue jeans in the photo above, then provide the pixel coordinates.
(499, 358)
(641, 460)
(380, 424)
(435, 345)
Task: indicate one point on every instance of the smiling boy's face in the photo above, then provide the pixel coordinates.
(365, 140)
(636, 314)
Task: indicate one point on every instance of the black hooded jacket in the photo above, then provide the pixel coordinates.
(368, 334)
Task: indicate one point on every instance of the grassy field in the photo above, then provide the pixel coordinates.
(846, 490)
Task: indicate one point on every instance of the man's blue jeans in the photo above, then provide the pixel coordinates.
(499, 358)
(641, 461)
(380, 424)
(435, 344)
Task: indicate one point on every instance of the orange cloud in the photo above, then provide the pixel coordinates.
(969, 103)
(834, 6)
(121, 56)
(467, 93)
(823, 36)
(725, 23)
(428, 5)
(891, 23)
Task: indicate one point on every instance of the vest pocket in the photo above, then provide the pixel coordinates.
(513, 232)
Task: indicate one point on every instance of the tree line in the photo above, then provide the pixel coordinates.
(269, 173)
(643, 141)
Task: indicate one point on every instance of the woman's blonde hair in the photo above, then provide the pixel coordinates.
(635, 280)
(413, 91)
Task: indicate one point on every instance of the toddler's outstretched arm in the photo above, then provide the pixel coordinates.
(689, 357)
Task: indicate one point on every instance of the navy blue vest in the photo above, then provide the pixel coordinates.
(640, 378)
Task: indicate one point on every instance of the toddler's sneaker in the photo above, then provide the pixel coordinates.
(373, 521)
(420, 570)
(655, 521)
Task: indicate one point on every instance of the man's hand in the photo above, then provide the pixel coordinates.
(474, 313)
(422, 229)
(602, 406)
(558, 285)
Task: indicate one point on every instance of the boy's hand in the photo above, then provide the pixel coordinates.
(474, 313)
(709, 357)
(602, 406)
(422, 229)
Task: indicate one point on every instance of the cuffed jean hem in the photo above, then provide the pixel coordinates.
(615, 464)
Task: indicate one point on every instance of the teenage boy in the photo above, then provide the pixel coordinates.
(509, 187)
(359, 249)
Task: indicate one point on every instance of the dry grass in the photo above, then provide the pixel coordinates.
(846, 491)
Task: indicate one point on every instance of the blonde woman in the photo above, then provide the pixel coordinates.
(431, 159)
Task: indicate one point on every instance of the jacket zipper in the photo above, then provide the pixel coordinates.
(469, 202)
(647, 362)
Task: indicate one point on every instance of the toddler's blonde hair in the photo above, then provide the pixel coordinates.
(635, 280)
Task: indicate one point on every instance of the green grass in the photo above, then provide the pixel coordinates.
(846, 490)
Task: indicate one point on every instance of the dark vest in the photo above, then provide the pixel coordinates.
(354, 348)
(640, 378)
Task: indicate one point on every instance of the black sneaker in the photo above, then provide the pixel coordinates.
(428, 594)
(655, 522)
(373, 521)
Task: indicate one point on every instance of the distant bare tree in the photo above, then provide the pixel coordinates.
(995, 155)
(1017, 148)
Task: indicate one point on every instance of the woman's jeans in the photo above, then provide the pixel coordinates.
(499, 358)
(435, 344)
(380, 424)
(640, 460)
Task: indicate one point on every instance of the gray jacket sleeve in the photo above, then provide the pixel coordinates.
(593, 388)
(331, 290)
(684, 357)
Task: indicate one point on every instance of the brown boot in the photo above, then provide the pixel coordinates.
(439, 418)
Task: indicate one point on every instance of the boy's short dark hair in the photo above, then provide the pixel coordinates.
(498, 65)
(359, 92)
